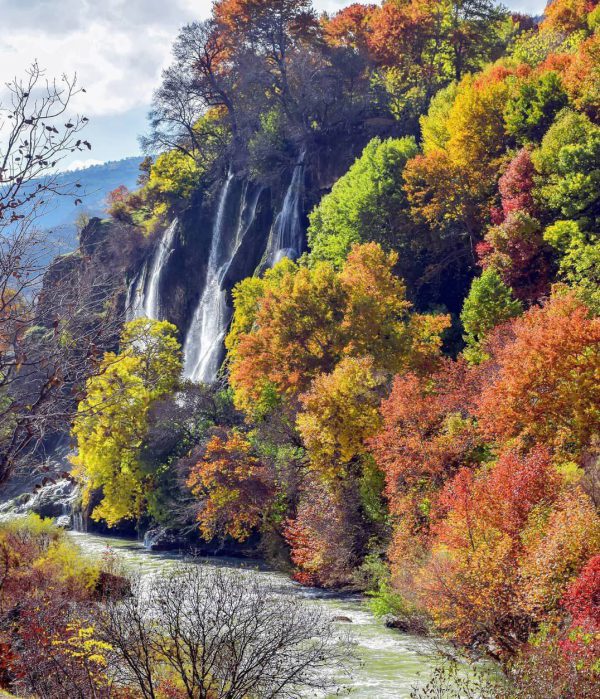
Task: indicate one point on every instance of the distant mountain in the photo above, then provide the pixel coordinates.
(96, 182)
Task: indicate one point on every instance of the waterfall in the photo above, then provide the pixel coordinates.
(247, 212)
(287, 234)
(202, 348)
(162, 254)
(134, 304)
(143, 295)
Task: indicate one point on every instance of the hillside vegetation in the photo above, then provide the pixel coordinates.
(412, 408)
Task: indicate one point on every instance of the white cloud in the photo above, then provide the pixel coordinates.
(117, 47)
(83, 164)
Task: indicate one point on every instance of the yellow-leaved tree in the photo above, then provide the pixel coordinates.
(112, 419)
(340, 412)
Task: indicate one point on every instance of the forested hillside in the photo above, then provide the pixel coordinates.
(97, 181)
(361, 292)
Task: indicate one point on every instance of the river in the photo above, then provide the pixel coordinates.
(391, 663)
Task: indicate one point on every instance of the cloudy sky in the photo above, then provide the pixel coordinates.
(117, 48)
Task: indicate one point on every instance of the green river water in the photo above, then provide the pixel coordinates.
(390, 664)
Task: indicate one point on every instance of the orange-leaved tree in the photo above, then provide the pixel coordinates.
(350, 27)
(428, 433)
(234, 487)
(547, 386)
(299, 322)
(471, 583)
(567, 15)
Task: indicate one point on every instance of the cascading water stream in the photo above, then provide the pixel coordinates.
(202, 348)
(143, 297)
(204, 344)
(134, 304)
(287, 234)
(247, 213)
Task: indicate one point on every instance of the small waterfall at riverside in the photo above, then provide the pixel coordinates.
(286, 238)
(202, 347)
(55, 500)
(143, 295)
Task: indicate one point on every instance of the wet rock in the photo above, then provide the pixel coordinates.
(343, 619)
(162, 539)
(415, 625)
(63, 522)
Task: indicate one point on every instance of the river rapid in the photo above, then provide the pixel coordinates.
(390, 663)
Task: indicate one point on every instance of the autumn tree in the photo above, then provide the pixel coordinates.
(47, 589)
(581, 598)
(579, 259)
(450, 187)
(516, 186)
(178, 427)
(350, 26)
(567, 15)
(294, 314)
(200, 79)
(427, 435)
(557, 545)
(234, 487)
(434, 124)
(514, 247)
(300, 322)
(339, 413)
(112, 419)
(116, 202)
(567, 160)
(474, 33)
(475, 124)
(580, 643)
(471, 582)
(545, 389)
(424, 45)
(580, 78)
(262, 69)
(400, 30)
(326, 536)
